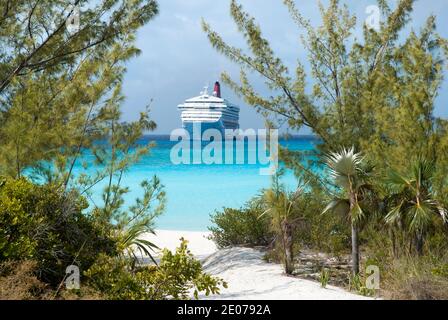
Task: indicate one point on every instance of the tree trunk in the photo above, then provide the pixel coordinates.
(393, 238)
(355, 249)
(288, 246)
(355, 244)
(419, 244)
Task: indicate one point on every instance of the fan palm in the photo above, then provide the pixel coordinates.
(351, 176)
(284, 217)
(414, 201)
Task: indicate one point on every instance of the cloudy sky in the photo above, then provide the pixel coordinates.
(177, 60)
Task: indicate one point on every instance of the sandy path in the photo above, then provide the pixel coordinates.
(198, 243)
(247, 275)
(251, 278)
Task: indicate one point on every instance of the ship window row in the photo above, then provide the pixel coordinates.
(230, 114)
(207, 117)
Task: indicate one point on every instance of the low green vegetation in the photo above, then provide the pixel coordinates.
(42, 224)
(44, 230)
(324, 277)
(244, 226)
(284, 218)
(408, 268)
(175, 277)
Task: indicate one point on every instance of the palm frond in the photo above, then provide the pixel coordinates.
(397, 182)
(423, 171)
(356, 213)
(419, 215)
(144, 246)
(132, 238)
(416, 202)
(338, 206)
(443, 213)
(343, 165)
(394, 214)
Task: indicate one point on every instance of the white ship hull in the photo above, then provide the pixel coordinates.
(209, 112)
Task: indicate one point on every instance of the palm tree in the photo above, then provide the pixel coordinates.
(351, 176)
(415, 203)
(284, 217)
(131, 241)
(139, 220)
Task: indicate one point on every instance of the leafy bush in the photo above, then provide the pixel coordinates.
(16, 224)
(44, 229)
(242, 226)
(47, 225)
(326, 233)
(176, 276)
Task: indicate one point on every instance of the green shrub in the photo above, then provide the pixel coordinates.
(321, 232)
(16, 223)
(178, 275)
(241, 226)
(245, 227)
(47, 225)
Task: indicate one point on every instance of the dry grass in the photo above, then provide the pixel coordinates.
(19, 282)
(414, 278)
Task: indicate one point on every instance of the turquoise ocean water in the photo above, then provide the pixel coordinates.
(194, 191)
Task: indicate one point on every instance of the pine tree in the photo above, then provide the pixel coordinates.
(56, 83)
(376, 93)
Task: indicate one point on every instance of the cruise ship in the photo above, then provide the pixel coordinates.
(209, 111)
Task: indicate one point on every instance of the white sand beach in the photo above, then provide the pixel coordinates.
(248, 276)
(198, 243)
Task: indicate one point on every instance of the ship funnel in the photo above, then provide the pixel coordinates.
(217, 90)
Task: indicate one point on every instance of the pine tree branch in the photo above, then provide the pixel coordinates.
(6, 81)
